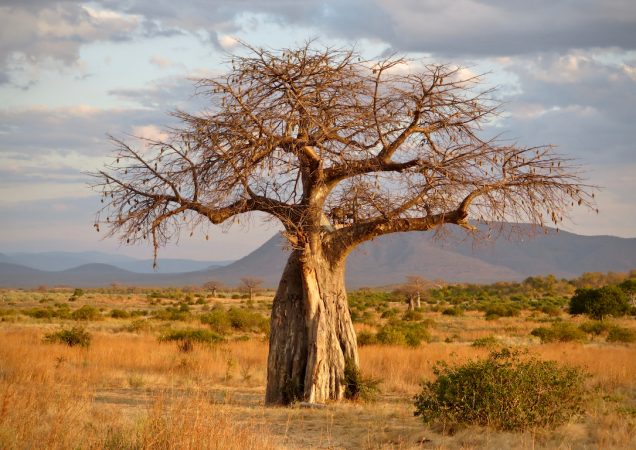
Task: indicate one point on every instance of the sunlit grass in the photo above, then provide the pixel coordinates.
(129, 390)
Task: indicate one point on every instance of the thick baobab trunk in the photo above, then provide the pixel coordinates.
(312, 336)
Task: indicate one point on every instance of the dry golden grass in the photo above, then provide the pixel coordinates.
(56, 397)
(128, 390)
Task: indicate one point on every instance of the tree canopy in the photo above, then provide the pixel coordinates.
(599, 303)
(325, 141)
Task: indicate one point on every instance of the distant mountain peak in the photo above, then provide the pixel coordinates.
(384, 261)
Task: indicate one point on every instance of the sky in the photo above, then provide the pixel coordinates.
(73, 72)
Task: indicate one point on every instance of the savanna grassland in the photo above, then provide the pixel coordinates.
(183, 369)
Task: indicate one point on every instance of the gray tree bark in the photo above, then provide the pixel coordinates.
(312, 336)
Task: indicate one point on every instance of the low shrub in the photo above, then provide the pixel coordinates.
(86, 312)
(405, 333)
(412, 316)
(76, 336)
(494, 311)
(40, 313)
(486, 342)
(453, 311)
(171, 313)
(137, 326)
(357, 386)
(504, 392)
(245, 320)
(560, 332)
(622, 335)
(119, 314)
(217, 319)
(595, 327)
(366, 338)
(389, 313)
(550, 310)
(192, 335)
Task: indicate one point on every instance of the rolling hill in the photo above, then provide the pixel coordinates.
(386, 260)
(57, 261)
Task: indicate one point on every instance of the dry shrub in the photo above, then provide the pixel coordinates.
(621, 334)
(504, 392)
(76, 336)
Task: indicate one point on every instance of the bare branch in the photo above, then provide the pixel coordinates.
(339, 150)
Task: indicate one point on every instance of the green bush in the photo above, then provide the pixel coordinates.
(119, 314)
(550, 310)
(217, 319)
(86, 312)
(486, 341)
(599, 303)
(357, 386)
(366, 338)
(620, 334)
(453, 311)
(405, 333)
(595, 327)
(40, 313)
(76, 336)
(171, 313)
(559, 332)
(504, 392)
(389, 313)
(244, 320)
(412, 316)
(494, 311)
(192, 335)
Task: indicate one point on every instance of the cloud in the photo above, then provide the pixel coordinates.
(44, 32)
(40, 32)
(462, 27)
(487, 28)
(44, 151)
(166, 94)
(227, 42)
(583, 105)
(40, 130)
(161, 62)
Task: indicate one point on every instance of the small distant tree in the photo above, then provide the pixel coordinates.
(629, 288)
(214, 286)
(599, 303)
(250, 284)
(413, 289)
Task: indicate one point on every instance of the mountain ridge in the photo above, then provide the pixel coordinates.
(384, 261)
(63, 260)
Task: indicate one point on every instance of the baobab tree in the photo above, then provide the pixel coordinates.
(250, 284)
(214, 286)
(339, 150)
(413, 289)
